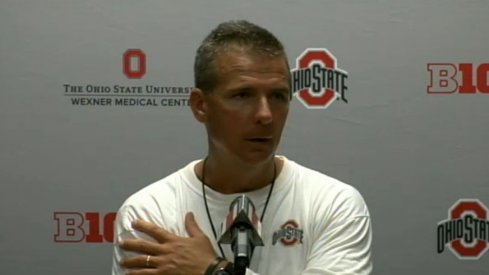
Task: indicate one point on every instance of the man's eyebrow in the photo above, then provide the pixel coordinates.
(281, 88)
(244, 88)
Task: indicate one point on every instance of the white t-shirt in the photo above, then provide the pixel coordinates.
(314, 224)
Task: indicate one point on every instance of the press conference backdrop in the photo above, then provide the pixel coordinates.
(391, 97)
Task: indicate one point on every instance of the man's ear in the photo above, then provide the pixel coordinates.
(198, 104)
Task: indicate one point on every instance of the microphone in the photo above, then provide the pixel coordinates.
(242, 229)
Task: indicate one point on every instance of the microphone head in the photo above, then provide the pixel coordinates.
(241, 214)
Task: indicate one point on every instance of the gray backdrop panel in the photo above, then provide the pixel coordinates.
(412, 155)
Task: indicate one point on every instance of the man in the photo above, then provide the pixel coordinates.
(311, 223)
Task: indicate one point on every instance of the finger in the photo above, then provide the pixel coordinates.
(151, 229)
(140, 261)
(145, 271)
(142, 272)
(191, 225)
(143, 247)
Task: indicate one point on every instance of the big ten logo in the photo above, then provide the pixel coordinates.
(90, 227)
(463, 78)
(134, 63)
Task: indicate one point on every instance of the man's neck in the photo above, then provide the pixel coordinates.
(227, 177)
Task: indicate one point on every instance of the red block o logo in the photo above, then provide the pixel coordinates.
(316, 80)
(468, 251)
(127, 67)
(305, 60)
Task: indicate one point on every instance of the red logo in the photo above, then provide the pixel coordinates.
(463, 78)
(75, 227)
(134, 63)
(289, 234)
(466, 231)
(316, 79)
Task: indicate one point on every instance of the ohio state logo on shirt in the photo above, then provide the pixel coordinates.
(289, 234)
(466, 231)
(316, 80)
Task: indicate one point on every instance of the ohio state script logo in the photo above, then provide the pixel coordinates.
(316, 79)
(288, 234)
(466, 231)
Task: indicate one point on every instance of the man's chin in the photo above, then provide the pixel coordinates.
(258, 157)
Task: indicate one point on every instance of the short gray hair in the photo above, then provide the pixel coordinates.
(241, 33)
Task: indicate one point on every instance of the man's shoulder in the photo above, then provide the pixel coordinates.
(315, 179)
(158, 201)
(324, 189)
(162, 191)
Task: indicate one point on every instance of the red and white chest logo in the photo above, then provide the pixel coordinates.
(316, 79)
(466, 231)
(288, 234)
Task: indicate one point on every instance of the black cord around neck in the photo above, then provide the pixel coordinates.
(207, 206)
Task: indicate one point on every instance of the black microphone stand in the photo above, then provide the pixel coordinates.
(242, 234)
(243, 249)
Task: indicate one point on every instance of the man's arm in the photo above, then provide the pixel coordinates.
(345, 249)
(342, 237)
(167, 253)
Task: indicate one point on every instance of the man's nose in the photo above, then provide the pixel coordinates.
(263, 111)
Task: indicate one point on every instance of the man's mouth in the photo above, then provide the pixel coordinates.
(260, 139)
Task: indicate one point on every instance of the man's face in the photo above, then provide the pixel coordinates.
(247, 109)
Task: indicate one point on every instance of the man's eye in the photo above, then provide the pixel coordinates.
(241, 95)
(280, 96)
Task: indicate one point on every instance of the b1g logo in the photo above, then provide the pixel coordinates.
(464, 78)
(316, 80)
(134, 63)
(466, 231)
(75, 227)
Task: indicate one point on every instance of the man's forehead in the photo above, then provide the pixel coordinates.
(238, 60)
